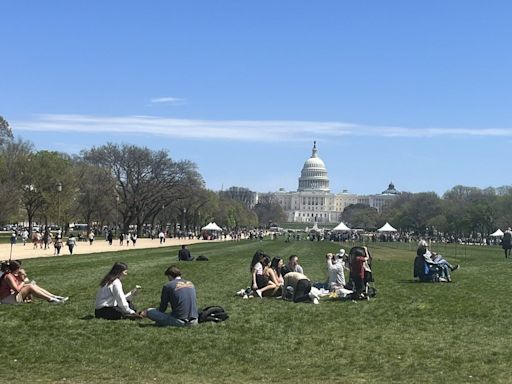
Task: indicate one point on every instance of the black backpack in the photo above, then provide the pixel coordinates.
(213, 313)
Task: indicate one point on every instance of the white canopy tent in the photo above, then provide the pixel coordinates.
(386, 228)
(211, 227)
(341, 227)
(498, 233)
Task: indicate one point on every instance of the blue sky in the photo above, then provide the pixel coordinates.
(414, 92)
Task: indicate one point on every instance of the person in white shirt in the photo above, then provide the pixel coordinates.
(111, 301)
(335, 270)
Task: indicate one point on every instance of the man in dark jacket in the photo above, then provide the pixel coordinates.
(184, 254)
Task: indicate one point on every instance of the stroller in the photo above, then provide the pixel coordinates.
(426, 272)
(363, 287)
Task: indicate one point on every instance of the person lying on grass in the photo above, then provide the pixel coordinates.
(14, 289)
(111, 301)
(180, 294)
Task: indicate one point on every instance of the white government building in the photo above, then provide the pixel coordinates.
(314, 202)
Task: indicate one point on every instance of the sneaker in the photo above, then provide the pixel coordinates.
(245, 297)
(442, 280)
(240, 292)
(315, 301)
(456, 267)
(54, 300)
(64, 299)
(258, 292)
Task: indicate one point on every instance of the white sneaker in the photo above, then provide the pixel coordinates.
(240, 292)
(54, 300)
(315, 301)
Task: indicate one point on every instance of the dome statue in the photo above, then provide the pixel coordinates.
(313, 176)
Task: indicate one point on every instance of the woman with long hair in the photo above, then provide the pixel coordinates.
(14, 289)
(111, 301)
(260, 281)
(273, 272)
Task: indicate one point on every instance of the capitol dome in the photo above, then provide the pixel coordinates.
(313, 176)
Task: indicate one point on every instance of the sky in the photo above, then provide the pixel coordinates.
(417, 93)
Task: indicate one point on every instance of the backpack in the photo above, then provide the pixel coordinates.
(213, 313)
(202, 258)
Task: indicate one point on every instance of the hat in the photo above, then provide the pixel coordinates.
(341, 253)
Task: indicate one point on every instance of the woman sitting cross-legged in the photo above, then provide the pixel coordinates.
(111, 301)
(14, 290)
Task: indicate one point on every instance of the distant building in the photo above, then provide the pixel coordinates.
(313, 201)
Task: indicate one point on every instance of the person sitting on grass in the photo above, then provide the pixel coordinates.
(273, 272)
(335, 270)
(184, 254)
(292, 266)
(260, 281)
(14, 289)
(444, 267)
(180, 294)
(111, 301)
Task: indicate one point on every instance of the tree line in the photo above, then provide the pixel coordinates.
(461, 212)
(113, 185)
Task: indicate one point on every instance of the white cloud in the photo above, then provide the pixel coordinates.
(168, 100)
(246, 130)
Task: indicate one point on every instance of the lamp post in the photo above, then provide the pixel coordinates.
(59, 190)
(117, 212)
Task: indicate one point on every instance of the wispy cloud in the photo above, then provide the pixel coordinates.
(243, 130)
(168, 100)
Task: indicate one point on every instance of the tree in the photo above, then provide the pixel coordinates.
(269, 210)
(145, 180)
(14, 156)
(360, 216)
(5, 131)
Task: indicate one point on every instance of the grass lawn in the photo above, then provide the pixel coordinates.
(410, 333)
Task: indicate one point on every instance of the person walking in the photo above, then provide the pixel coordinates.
(507, 242)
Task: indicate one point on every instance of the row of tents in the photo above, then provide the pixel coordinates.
(341, 227)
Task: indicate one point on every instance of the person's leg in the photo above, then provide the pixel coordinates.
(270, 285)
(302, 291)
(108, 313)
(35, 291)
(164, 320)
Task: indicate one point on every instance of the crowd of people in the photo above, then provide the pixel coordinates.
(274, 278)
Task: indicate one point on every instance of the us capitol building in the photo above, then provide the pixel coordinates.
(313, 201)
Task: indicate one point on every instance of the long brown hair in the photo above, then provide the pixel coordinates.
(115, 272)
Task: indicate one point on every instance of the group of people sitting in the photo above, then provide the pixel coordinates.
(16, 287)
(112, 303)
(273, 278)
(431, 266)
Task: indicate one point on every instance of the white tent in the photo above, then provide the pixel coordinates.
(386, 228)
(211, 227)
(341, 227)
(498, 233)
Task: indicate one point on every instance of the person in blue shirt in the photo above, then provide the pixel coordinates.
(180, 294)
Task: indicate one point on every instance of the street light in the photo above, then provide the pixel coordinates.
(117, 212)
(59, 190)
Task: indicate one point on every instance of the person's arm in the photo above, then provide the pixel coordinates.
(120, 298)
(14, 283)
(254, 284)
(164, 299)
(273, 277)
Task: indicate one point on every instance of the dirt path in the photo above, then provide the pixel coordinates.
(20, 251)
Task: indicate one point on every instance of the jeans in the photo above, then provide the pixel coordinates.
(166, 320)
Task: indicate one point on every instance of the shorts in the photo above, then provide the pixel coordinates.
(14, 298)
(261, 281)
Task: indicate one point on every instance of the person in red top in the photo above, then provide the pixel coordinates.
(14, 290)
(358, 256)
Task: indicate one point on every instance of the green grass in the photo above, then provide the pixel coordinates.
(410, 333)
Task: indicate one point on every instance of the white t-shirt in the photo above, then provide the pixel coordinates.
(112, 295)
